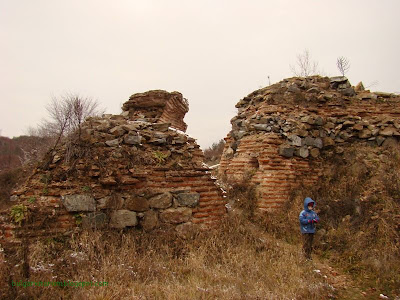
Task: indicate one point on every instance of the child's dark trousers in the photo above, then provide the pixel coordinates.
(307, 244)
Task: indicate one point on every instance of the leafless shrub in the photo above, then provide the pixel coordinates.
(212, 155)
(372, 84)
(343, 65)
(66, 115)
(304, 66)
(36, 131)
(68, 112)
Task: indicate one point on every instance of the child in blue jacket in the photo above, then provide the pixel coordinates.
(308, 218)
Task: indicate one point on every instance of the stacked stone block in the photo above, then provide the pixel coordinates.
(283, 132)
(138, 169)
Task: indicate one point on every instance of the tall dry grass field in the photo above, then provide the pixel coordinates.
(237, 260)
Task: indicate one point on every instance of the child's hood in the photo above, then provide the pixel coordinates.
(307, 201)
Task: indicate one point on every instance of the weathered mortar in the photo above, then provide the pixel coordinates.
(283, 132)
(134, 169)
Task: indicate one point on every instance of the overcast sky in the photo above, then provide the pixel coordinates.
(212, 51)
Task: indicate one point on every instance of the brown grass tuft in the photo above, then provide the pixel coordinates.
(236, 261)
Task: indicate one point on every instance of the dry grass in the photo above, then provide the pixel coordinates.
(235, 261)
(358, 200)
(9, 179)
(363, 217)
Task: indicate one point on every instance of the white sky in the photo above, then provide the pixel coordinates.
(212, 51)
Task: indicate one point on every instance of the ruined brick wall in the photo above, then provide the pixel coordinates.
(123, 172)
(283, 132)
(257, 158)
(158, 106)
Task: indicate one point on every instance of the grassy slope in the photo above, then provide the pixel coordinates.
(358, 200)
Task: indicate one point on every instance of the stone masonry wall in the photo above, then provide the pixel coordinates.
(158, 106)
(283, 132)
(123, 172)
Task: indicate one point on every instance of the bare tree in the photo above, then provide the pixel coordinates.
(372, 84)
(60, 112)
(82, 108)
(343, 65)
(66, 115)
(304, 66)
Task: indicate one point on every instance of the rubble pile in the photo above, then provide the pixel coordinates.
(283, 132)
(135, 169)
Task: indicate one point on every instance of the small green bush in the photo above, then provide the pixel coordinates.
(78, 219)
(160, 157)
(86, 189)
(18, 213)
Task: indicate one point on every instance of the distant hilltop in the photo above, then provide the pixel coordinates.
(14, 152)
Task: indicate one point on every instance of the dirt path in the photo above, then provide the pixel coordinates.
(343, 285)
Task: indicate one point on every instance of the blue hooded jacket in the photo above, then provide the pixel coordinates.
(307, 216)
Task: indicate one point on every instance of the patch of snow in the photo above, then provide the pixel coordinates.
(39, 267)
(78, 255)
(317, 271)
(205, 165)
(177, 130)
(214, 166)
(181, 132)
(219, 185)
